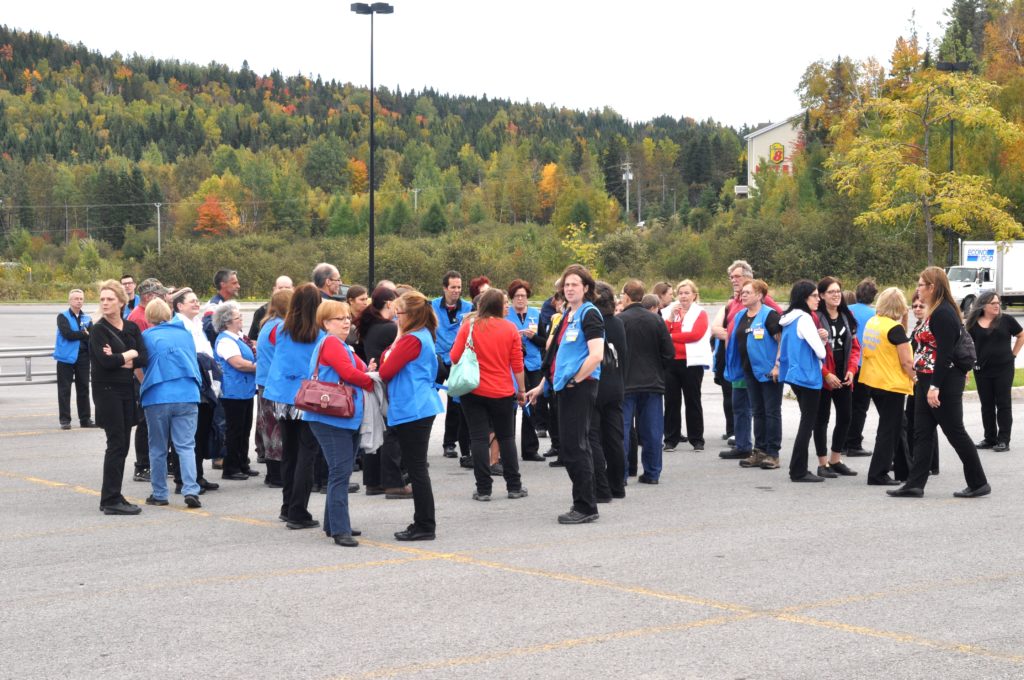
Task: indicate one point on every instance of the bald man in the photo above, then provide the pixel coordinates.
(282, 283)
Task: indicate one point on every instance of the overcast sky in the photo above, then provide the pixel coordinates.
(736, 62)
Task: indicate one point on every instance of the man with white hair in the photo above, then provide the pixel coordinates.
(71, 350)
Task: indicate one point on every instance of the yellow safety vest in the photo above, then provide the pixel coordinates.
(881, 367)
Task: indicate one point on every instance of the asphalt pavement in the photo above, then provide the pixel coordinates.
(717, 572)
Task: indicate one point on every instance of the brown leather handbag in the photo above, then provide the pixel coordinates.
(328, 399)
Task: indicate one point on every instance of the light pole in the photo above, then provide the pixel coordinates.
(952, 67)
(158, 251)
(375, 8)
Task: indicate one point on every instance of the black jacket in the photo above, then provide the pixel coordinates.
(610, 388)
(650, 350)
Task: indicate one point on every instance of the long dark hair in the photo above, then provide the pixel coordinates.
(798, 295)
(585, 277)
(372, 316)
(300, 322)
(490, 304)
(844, 310)
(978, 308)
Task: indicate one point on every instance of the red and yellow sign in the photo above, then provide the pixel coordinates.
(777, 153)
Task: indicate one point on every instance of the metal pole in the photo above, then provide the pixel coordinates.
(158, 251)
(372, 150)
(949, 232)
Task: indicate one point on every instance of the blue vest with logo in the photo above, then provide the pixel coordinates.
(411, 393)
(446, 331)
(573, 350)
(172, 373)
(761, 349)
(329, 375)
(798, 364)
(265, 351)
(288, 369)
(531, 353)
(237, 384)
(64, 350)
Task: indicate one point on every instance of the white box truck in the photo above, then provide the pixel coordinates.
(988, 265)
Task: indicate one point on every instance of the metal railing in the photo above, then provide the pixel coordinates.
(29, 377)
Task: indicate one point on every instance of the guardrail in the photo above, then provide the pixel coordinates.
(29, 377)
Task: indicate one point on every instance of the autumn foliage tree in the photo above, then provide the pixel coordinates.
(216, 217)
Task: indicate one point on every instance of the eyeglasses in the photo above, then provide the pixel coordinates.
(521, 296)
(833, 292)
(341, 318)
(994, 302)
(917, 306)
(334, 280)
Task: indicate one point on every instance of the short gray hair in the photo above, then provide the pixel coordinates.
(741, 264)
(75, 290)
(322, 272)
(223, 314)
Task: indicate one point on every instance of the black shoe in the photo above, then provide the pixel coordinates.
(273, 484)
(551, 453)
(731, 441)
(542, 434)
(556, 463)
(414, 534)
(826, 472)
(732, 453)
(885, 481)
(356, 532)
(982, 490)
(87, 423)
(697, 445)
(374, 490)
(193, 501)
(283, 517)
(236, 476)
(842, 469)
(644, 479)
(619, 496)
(534, 457)
(151, 500)
(809, 477)
(261, 460)
(140, 476)
(303, 524)
(252, 473)
(727, 436)
(208, 486)
(466, 462)
(518, 493)
(670, 446)
(906, 492)
(484, 497)
(1001, 447)
(353, 487)
(856, 453)
(574, 516)
(601, 499)
(345, 540)
(985, 444)
(497, 470)
(178, 487)
(449, 451)
(120, 508)
(65, 426)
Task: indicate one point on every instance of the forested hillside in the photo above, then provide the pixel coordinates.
(267, 173)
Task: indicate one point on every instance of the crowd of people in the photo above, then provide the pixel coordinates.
(606, 377)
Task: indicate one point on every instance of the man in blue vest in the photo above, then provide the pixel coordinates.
(450, 308)
(71, 350)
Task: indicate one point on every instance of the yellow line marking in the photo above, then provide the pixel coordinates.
(26, 434)
(44, 482)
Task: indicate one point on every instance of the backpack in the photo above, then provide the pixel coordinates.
(965, 357)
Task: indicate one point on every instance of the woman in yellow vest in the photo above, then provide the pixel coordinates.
(888, 369)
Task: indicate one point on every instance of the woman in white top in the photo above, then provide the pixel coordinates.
(689, 327)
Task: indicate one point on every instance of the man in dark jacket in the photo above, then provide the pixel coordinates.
(650, 354)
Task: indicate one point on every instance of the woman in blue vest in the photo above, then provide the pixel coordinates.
(266, 424)
(170, 398)
(334, 361)
(410, 367)
(294, 342)
(574, 364)
(237, 362)
(800, 358)
(752, 356)
(526, 319)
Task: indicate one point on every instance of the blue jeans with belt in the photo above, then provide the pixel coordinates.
(339, 446)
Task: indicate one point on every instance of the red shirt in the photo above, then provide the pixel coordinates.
(679, 337)
(333, 354)
(404, 350)
(499, 350)
(138, 317)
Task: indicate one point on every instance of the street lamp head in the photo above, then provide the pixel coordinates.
(361, 8)
(953, 65)
(382, 8)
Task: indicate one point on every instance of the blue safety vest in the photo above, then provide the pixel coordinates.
(172, 373)
(531, 353)
(761, 349)
(329, 375)
(411, 393)
(265, 350)
(798, 364)
(573, 350)
(287, 370)
(64, 350)
(447, 330)
(237, 384)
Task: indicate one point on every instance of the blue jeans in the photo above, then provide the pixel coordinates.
(650, 422)
(741, 414)
(172, 423)
(766, 405)
(339, 446)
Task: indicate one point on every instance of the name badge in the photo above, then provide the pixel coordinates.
(758, 334)
(571, 335)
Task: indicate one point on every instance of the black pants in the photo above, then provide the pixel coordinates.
(528, 429)
(482, 414)
(299, 447)
(141, 446)
(901, 463)
(382, 469)
(606, 445)
(77, 373)
(843, 400)
(727, 406)
(455, 430)
(858, 414)
(552, 420)
(890, 433)
(116, 415)
(684, 380)
(996, 407)
(950, 417)
(414, 439)
(808, 400)
(575, 409)
(238, 423)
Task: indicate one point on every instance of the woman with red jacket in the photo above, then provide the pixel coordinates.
(690, 330)
(837, 328)
(499, 351)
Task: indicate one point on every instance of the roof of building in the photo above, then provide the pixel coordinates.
(792, 120)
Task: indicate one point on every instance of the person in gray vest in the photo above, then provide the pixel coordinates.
(71, 350)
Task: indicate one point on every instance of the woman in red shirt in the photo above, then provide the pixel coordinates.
(499, 351)
(688, 325)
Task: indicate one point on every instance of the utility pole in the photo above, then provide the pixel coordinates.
(415, 201)
(639, 202)
(67, 231)
(627, 176)
(158, 251)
